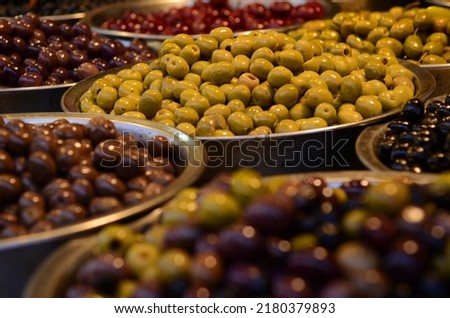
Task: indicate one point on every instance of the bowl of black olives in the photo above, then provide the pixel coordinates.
(339, 234)
(65, 175)
(41, 58)
(417, 140)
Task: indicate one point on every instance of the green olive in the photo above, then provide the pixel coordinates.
(199, 103)
(401, 29)
(279, 76)
(286, 126)
(143, 68)
(181, 86)
(433, 59)
(219, 109)
(260, 130)
(207, 125)
(262, 95)
(173, 264)
(390, 99)
(242, 46)
(312, 123)
(316, 95)
(114, 80)
(223, 133)
(221, 33)
(95, 109)
(423, 20)
(185, 115)
(264, 53)
(249, 80)
(266, 119)
(190, 53)
(130, 87)
(187, 128)
(150, 103)
(333, 80)
(368, 106)
(241, 64)
(170, 105)
(305, 48)
(300, 111)
(221, 72)
(106, 98)
(377, 33)
(348, 117)
(391, 43)
(327, 112)
(129, 74)
(351, 89)
(221, 55)
(413, 47)
(188, 94)
(199, 66)
(152, 76)
(134, 114)
(207, 45)
(252, 111)
(124, 104)
(374, 70)
(363, 27)
(168, 48)
(177, 67)
(240, 123)
(168, 84)
(214, 94)
(291, 59)
(286, 95)
(373, 87)
(241, 92)
(236, 105)
(163, 114)
(260, 68)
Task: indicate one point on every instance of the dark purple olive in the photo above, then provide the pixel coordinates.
(49, 27)
(22, 28)
(6, 44)
(61, 198)
(101, 129)
(182, 236)
(66, 214)
(65, 30)
(100, 63)
(48, 58)
(63, 57)
(81, 41)
(104, 272)
(245, 279)
(6, 162)
(5, 27)
(138, 45)
(16, 58)
(42, 167)
(86, 70)
(31, 214)
(10, 187)
(19, 45)
(104, 205)
(315, 264)
(39, 35)
(82, 28)
(77, 57)
(108, 184)
(94, 47)
(112, 48)
(83, 190)
(30, 79)
(240, 242)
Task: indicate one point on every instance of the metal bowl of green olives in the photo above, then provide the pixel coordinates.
(23, 250)
(344, 242)
(320, 148)
(416, 143)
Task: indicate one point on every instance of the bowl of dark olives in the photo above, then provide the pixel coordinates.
(41, 58)
(262, 100)
(63, 175)
(418, 140)
(161, 19)
(339, 234)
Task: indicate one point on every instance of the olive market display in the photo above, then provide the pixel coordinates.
(296, 236)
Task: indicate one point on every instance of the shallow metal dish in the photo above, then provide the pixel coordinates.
(330, 148)
(65, 261)
(18, 255)
(441, 74)
(368, 141)
(32, 99)
(96, 17)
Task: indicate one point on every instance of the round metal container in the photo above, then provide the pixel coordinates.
(368, 141)
(32, 99)
(65, 261)
(330, 148)
(441, 74)
(21, 254)
(96, 17)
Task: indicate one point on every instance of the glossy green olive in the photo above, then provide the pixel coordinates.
(261, 68)
(194, 78)
(214, 94)
(264, 53)
(390, 100)
(300, 111)
(433, 59)
(114, 80)
(405, 91)
(199, 66)
(373, 87)
(240, 123)
(163, 114)
(188, 94)
(262, 95)
(301, 84)
(327, 112)
(252, 111)
(402, 28)
(260, 130)
(152, 76)
(286, 126)
(374, 70)
(95, 109)
(241, 92)
(181, 86)
(168, 84)
(312, 123)
(221, 72)
(391, 43)
(377, 33)
(242, 46)
(221, 33)
(363, 27)
(348, 117)
(333, 80)
(170, 105)
(221, 55)
(219, 109)
(291, 59)
(269, 40)
(130, 87)
(249, 80)
(305, 48)
(223, 133)
(207, 44)
(241, 64)
(168, 48)
(413, 47)
(190, 53)
(286, 95)
(150, 103)
(265, 118)
(199, 103)
(124, 104)
(316, 95)
(207, 125)
(185, 115)
(187, 128)
(106, 98)
(351, 89)
(134, 114)
(368, 106)
(279, 76)
(177, 67)
(236, 105)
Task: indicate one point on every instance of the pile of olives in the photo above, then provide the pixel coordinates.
(419, 35)
(35, 52)
(11, 8)
(419, 139)
(243, 236)
(61, 173)
(220, 84)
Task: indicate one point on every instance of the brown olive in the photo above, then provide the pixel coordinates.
(6, 162)
(31, 198)
(104, 205)
(53, 186)
(66, 214)
(62, 197)
(100, 129)
(31, 214)
(10, 187)
(108, 184)
(82, 171)
(42, 167)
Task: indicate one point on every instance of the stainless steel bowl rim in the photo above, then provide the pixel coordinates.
(190, 173)
(35, 88)
(64, 261)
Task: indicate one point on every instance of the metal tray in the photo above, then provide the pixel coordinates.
(441, 74)
(19, 255)
(330, 148)
(32, 99)
(368, 141)
(64, 262)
